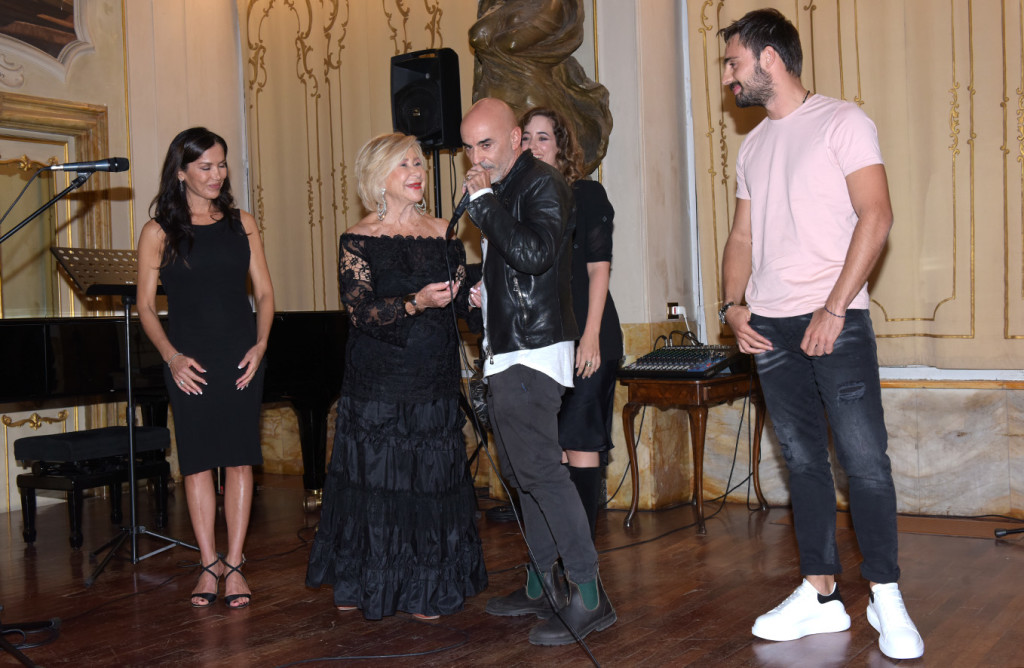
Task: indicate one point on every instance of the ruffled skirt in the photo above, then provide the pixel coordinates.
(398, 526)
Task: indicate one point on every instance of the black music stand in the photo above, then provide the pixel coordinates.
(98, 272)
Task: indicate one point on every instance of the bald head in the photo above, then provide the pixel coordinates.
(491, 137)
(495, 110)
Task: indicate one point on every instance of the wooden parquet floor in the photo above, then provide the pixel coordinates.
(682, 599)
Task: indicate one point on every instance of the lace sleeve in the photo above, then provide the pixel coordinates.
(383, 318)
(462, 309)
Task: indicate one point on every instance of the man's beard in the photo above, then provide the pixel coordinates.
(757, 91)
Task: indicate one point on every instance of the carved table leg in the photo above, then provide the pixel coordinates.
(698, 427)
(629, 412)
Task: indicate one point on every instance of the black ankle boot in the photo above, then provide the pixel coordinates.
(583, 620)
(520, 602)
(588, 486)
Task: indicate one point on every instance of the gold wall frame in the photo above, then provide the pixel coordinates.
(78, 133)
(945, 96)
(83, 127)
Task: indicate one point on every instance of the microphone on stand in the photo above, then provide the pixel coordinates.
(107, 165)
(85, 170)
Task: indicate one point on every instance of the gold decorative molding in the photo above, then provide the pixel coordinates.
(406, 45)
(127, 121)
(950, 290)
(1008, 241)
(703, 31)
(434, 24)
(27, 164)
(338, 175)
(890, 384)
(34, 421)
(84, 127)
(810, 8)
(954, 149)
(858, 98)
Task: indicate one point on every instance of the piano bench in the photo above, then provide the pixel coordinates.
(75, 461)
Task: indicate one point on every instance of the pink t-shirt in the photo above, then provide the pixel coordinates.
(794, 171)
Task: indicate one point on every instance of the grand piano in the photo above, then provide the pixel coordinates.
(75, 361)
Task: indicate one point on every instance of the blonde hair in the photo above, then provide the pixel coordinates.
(375, 161)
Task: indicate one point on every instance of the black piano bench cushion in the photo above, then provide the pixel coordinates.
(76, 446)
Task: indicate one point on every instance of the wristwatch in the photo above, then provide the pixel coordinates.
(411, 299)
(721, 312)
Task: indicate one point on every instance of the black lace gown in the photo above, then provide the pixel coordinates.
(398, 528)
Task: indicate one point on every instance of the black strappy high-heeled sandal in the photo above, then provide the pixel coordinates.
(206, 596)
(228, 600)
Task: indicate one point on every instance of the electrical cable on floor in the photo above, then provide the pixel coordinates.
(723, 497)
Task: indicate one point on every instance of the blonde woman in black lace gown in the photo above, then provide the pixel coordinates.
(398, 527)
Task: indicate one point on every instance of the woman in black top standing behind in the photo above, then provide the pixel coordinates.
(585, 421)
(203, 249)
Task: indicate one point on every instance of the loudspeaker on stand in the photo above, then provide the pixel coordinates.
(425, 97)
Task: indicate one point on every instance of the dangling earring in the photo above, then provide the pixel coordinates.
(181, 185)
(382, 206)
(421, 206)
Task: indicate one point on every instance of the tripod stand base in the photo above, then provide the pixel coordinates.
(115, 543)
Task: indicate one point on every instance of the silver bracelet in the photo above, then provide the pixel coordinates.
(172, 358)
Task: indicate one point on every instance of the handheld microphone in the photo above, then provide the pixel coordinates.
(108, 165)
(460, 209)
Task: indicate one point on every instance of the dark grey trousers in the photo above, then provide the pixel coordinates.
(523, 405)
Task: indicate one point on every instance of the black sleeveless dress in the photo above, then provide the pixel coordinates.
(398, 530)
(211, 320)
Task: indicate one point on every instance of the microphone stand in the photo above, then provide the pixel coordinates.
(77, 183)
(53, 625)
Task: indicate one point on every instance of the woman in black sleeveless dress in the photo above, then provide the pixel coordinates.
(398, 529)
(203, 250)
(585, 420)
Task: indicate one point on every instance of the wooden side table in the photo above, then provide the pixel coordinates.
(696, 396)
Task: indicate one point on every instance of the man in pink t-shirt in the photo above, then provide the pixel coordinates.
(812, 217)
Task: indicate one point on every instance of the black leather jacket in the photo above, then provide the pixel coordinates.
(528, 223)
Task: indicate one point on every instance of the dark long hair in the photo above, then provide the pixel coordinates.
(569, 155)
(170, 206)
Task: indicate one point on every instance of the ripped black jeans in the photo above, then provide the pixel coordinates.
(805, 396)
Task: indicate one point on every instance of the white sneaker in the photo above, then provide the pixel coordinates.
(898, 637)
(803, 613)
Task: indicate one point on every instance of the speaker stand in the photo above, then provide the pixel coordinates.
(435, 154)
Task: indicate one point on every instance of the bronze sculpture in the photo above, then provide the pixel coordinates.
(523, 54)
